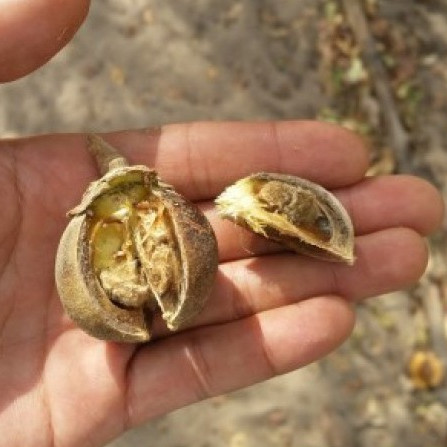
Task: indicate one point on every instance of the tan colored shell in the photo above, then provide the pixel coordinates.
(241, 204)
(81, 293)
(105, 183)
(198, 250)
(83, 298)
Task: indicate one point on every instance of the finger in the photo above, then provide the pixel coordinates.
(387, 260)
(34, 31)
(373, 204)
(217, 359)
(403, 200)
(200, 160)
(212, 155)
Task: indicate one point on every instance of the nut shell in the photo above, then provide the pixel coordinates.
(82, 297)
(88, 304)
(198, 253)
(240, 203)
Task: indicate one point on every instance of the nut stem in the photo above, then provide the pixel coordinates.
(106, 156)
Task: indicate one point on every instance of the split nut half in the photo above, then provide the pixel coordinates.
(295, 212)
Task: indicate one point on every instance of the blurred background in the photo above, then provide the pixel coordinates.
(375, 66)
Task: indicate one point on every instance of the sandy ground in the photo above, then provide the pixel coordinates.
(141, 63)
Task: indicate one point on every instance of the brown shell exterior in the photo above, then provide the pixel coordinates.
(88, 305)
(199, 258)
(82, 297)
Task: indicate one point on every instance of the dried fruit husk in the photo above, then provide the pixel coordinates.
(295, 212)
(134, 246)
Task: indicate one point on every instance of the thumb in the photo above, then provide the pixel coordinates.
(32, 32)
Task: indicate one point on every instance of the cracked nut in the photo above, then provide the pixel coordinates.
(133, 246)
(297, 213)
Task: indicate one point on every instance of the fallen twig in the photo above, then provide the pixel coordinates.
(432, 302)
(397, 135)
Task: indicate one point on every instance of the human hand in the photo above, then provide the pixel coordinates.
(270, 311)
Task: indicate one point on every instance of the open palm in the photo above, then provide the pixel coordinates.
(270, 312)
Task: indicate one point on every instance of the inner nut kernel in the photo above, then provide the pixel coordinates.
(297, 204)
(134, 252)
(297, 213)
